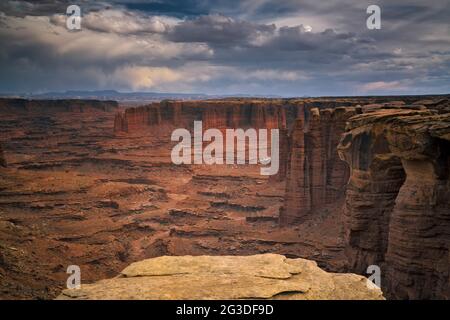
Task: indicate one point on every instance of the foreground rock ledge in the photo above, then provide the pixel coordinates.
(265, 276)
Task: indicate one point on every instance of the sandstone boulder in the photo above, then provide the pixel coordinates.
(264, 276)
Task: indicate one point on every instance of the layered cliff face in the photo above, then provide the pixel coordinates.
(325, 176)
(2, 157)
(223, 113)
(218, 114)
(164, 117)
(397, 204)
(316, 177)
(266, 276)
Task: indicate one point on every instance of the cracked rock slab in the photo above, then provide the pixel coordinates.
(264, 276)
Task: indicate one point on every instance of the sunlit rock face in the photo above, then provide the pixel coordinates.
(266, 276)
(397, 206)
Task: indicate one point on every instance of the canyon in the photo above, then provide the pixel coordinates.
(362, 181)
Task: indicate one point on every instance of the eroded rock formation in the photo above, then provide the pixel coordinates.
(266, 276)
(2, 157)
(218, 114)
(397, 206)
(316, 177)
(162, 118)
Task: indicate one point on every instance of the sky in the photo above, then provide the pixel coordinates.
(225, 47)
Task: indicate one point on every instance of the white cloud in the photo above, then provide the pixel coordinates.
(162, 78)
(121, 22)
(90, 47)
(138, 78)
(382, 85)
(269, 74)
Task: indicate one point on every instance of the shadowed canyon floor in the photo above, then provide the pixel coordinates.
(91, 184)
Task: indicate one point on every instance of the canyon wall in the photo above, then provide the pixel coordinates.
(397, 213)
(2, 157)
(223, 113)
(214, 114)
(316, 177)
(163, 117)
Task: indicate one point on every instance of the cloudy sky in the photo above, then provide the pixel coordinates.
(266, 47)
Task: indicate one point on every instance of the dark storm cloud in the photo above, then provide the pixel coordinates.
(219, 30)
(23, 8)
(247, 43)
(294, 38)
(171, 8)
(287, 47)
(46, 7)
(186, 8)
